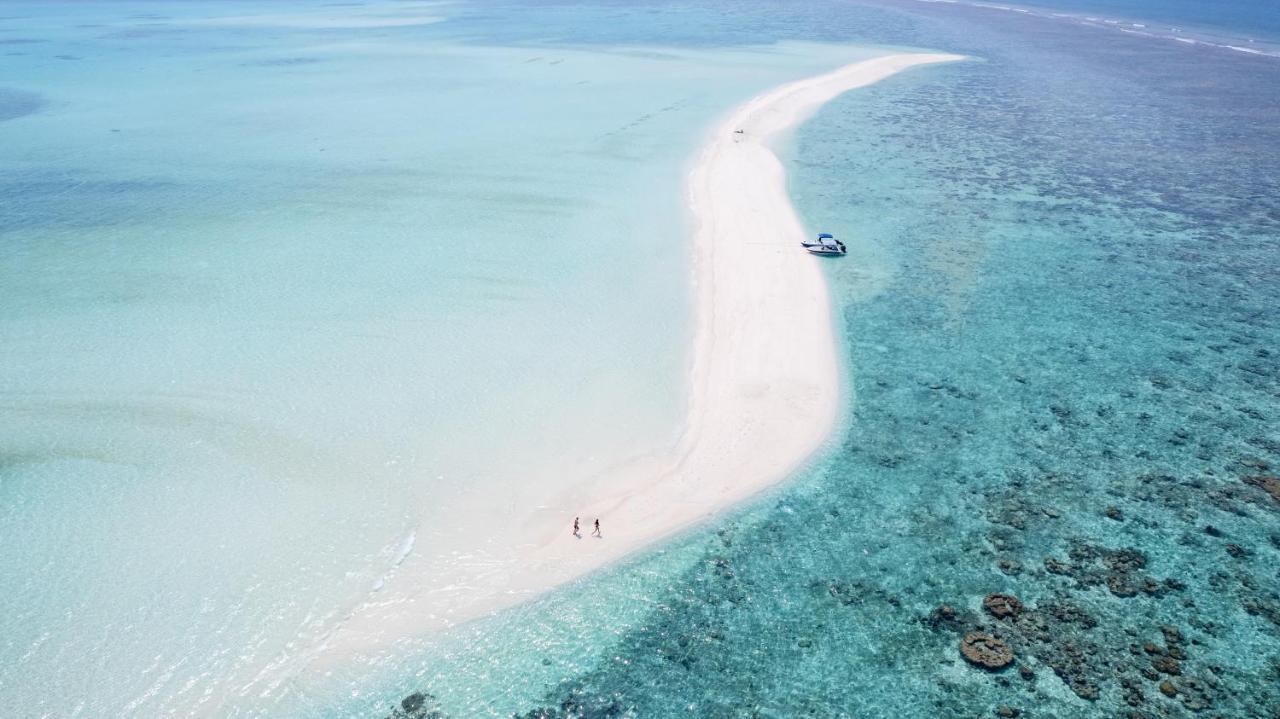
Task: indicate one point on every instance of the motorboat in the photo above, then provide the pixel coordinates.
(826, 244)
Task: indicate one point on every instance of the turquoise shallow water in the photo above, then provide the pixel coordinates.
(1058, 311)
(1059, 316)
(290, 289)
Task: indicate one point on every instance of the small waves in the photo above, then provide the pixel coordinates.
(402, 553)
(1129, 27)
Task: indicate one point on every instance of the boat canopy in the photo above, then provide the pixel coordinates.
(825, 236)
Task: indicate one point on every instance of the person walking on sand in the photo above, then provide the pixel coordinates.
(596, 532)
(576, 532)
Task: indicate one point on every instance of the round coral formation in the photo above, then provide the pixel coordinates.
(985, 651)
(1002, 605)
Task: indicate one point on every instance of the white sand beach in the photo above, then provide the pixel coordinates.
(764, 388)
(765, 384)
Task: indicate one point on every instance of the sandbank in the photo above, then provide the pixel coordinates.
(764, 388)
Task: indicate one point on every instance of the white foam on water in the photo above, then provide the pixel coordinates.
(1133, 28)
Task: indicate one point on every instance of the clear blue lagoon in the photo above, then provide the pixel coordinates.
(286, 285)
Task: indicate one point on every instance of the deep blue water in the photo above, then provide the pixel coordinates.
(1067, 392)
(1245, 18)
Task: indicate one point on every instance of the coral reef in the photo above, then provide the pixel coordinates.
(418, 705)
(986, 651)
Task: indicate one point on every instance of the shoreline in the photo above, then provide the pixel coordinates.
(764, 388)
(763, 395)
